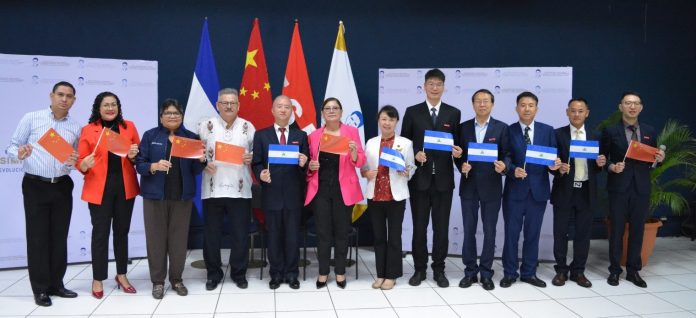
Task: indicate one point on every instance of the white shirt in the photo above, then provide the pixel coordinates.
(430, 107)
(481, 129)
(277, 131)
(531, 131)
(582, 136)
(229, 181)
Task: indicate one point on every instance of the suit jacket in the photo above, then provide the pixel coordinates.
(416, 121)
(287, 181)
(397, 183)
(347, 175)
(95, 177)
(614, 146)
(537, 180)
(482, 177)
(562, 189)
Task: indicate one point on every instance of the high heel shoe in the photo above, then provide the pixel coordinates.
(341, 284)
(321, 284)
(97, 294)
(127, 290)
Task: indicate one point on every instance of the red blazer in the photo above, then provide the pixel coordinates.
(347, 176)
(95, 177)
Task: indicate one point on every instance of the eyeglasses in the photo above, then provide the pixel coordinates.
(171, 114)
(110, 106)
(630, 103)
(332, 109)
(227, 104)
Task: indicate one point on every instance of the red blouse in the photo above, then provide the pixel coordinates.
(382, 184)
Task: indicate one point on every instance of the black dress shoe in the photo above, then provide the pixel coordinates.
(534, 281)
(417, 278)
(559, 279)
(274, 283)
(441, 279)
(507, 281)
(241, 283)
(63, 293)
(467, 281)
(487, 283)
(341, 284)
(320, 285)
(613, 279)
(294, 283)
(42, 299)
(636, 280)
(211, 284)
(581, 280)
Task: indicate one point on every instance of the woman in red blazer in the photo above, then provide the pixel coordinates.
(333, 190)
(110, 187)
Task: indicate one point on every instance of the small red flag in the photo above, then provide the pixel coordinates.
(334, 144)
(116, 143)
(229, 153)
(187, 148)
(56, 145)
(642, 152)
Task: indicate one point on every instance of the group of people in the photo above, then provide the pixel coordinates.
(328, 183)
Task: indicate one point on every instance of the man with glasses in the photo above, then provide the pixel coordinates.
(47, 189)
(628, 183)
(226, 190)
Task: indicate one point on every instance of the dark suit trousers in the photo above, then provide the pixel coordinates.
(631, 207)
(332, 218)
(421, 204)
(166, 236)
(114, 208)
(238, 211)
(47, 209)
(387, 218)
(519, 215)
(579, 209)
(489, 219)
(283, 242)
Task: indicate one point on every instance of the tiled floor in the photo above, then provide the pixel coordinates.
(671, 292)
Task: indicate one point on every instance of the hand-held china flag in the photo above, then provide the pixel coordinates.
(297, 85)
(229, 153)
(334, 144)
(641, 152)
(56, 145)
(255, 99)
(187, 148)
(116, 143)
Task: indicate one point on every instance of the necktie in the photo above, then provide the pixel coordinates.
(580, 163)
(634, 134)
(433, 116)
(526, 135)
(283, 141)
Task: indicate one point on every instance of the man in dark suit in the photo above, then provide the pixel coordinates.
(628, 183)
(283, 193)
(481, 184)
(432, 185)
(526, 192)
(573, 194)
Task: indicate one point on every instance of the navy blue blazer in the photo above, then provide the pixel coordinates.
(482, 177)
(562, 189)
(287, 187)
(537, 180)
(614, 146)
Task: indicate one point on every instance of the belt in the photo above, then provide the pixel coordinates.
(49, 180)
(579, 184)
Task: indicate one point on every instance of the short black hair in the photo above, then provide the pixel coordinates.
(63, 83)
(527, 94)
(435, 73)
(390, 111)
(485, 91)
(626, 93)
(579, 99)
(171, 102)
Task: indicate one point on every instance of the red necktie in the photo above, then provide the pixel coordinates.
(283, 141)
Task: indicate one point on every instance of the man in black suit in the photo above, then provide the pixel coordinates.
(628, 183)
(283, 193)
(481, 184)
(573, 194)
(432, 185)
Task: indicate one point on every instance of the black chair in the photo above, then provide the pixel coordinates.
(353, 238)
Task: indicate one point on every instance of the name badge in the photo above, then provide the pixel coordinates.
(577, 184)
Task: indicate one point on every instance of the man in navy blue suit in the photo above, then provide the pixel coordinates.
(481, 184)
(526, 192)
(283, 193)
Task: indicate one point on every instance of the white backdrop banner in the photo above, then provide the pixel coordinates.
(553, 85)
(25, 83)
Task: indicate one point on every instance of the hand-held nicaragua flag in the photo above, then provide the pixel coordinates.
(334, 144)
(482, 152)
(283, 154)
(438, 140)
(56, 145)
(297, 86)
(115, 142)
(229, 153)
(588, 149)
(641, 152)
(392, 158)
(541, 155)
(204, 86)
(187, 148)
(255, 99)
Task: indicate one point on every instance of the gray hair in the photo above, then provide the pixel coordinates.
(228, 91)
(279, 97)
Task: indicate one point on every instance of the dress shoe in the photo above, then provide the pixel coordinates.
(321, 285)
(294, 283)
(341, 284)
(63, 293)
(417, 278)
(157, 291)
(241, 283)
(613, 279)
(97, 294)
(441, 279)
(388, 284)
(507, 281)
(211, 284)
(274, 283)
(559, 279)
(581, 280)
(467, 281)
(42, 299)
(487, 283)
(378, 283)
(127, 290)
(534, 281)
(180, 289)
(636, 280)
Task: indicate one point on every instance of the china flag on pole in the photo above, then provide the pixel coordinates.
(116, 143)
(642, 152)
(187, 148)
(255, 99)
(297, 86)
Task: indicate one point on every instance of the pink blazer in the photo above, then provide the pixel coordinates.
(347, 175)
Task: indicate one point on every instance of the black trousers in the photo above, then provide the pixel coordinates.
(47, 209)
(421, 204)
(115, 211)
(332, 218)
(283, 242)
(489, 219)
(387, 218)
(631, 207)
(579, 210)
(238, 211)
(166, 237)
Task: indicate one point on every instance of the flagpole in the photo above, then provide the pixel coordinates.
(423, 162)
(627, 149)
(466, 175)
(98, 140)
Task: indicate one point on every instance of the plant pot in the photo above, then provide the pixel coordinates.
(649, 237)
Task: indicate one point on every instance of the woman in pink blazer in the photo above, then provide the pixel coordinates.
(333, 189)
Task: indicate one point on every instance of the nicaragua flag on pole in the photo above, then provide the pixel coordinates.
(392, 158)
(438, 140)
(584, 149)
(283, 154)
(541, 155)
(482, 152)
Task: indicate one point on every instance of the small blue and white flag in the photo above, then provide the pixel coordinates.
(283, 154)
(392, 158)
(584, 149)
(541, 155)
(482, 152)
(438, 140)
